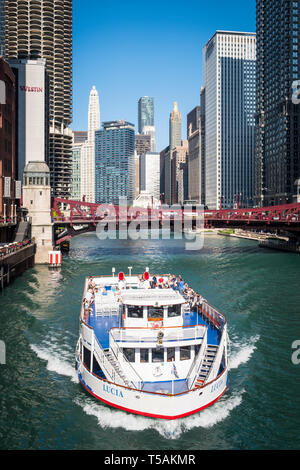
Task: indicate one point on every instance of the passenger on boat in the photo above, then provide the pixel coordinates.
(153, 283)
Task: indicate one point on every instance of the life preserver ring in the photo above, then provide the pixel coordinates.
(157, 371)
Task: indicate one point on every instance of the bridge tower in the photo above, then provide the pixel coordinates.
(37, 200)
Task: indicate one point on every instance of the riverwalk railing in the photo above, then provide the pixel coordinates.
(9, 248)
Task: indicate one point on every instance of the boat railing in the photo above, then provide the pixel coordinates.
(197, 363)
(212, 315)
(134, 377)
(150, 334)
(217, 359)
(105, 364)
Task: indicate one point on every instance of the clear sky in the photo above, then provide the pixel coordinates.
(129, 49)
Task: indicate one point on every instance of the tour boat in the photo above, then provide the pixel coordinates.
(150, 346)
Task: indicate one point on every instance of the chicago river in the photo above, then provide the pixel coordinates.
(44, 407)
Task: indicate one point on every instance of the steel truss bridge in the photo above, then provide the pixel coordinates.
(71, 218)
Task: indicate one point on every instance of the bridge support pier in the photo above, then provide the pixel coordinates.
(37, 200)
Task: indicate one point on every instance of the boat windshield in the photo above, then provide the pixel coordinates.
(155, 312)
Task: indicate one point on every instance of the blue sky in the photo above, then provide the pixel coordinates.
(129, 49)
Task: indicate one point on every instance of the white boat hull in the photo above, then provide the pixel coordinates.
(149, 404)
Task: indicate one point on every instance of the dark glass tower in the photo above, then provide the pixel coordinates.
(145, 112)
(277, 157)
(114, 163)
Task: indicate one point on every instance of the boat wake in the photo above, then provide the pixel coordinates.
(110, 418)
(107, 417)
(241, 352)
(56, 362)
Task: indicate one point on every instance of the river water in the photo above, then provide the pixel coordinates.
(42, 405)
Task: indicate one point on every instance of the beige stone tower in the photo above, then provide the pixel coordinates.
(37, 200)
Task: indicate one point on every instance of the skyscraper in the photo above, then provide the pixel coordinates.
(277, 150)
(230, 86)
(88, 149)
(175, 127)
(2, 28)
(43, 29)
(196, 151)
(114, 162)
(150, 174)
(146, 119)
(32, 123)
(145, 112)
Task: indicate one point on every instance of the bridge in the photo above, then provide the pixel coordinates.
(79, 217)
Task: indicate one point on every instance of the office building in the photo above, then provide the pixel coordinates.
(2, 28)
(88, 149)
(145, 112)
(7, 141)
(146, 120)
(114, 162)
(164, 156)
(178, 165)
(175, 127)
(142, 143)
(277, 151)
(43, 29)
(76, 173)
(32, 123)
(196, 152)
(230, 87)
(150, 174)
(79, 137)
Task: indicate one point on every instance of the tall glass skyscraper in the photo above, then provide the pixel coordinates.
(230, 98)
(114, 163)
(145, 112)
(277, 151)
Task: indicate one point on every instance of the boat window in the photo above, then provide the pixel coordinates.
(134, 311)
(185, 353)
(144, 355)
(158, 355)
(174, 311)
(129, 353)
(197, 348)
(155, 312)
(170, 354)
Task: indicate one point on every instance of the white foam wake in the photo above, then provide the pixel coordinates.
(56, 362)
(111, 418)
(242, 352)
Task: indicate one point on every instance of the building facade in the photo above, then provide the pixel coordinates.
(76, 173)
(79, 137)
(178, 164)
(7, 141)
(2, 28)
(145, 112)
(88, 149)
(277, 149)
(114, 163)
(230, 89)
(175, 124)
(32, 123)
(43, 29)
(194, 151)
(150, 174)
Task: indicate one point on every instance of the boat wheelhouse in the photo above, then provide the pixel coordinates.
(150, 349)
